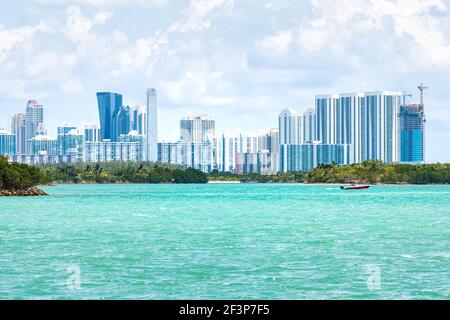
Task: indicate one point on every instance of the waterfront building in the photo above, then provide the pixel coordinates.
(18, 128)
(43, 145)
(226, 154)
(309, 126)
(110, 151)
(269, 140)
(325, 111)
(92, 133)
(247, 163)
(34, 121)
(268, 162)
(290, 127)
(40, 159)
(7, 143)
(139, 119)
(186, 154)
(412, 133)
(109, 104)
(306, 157)
(134, 136)
(70, 143)
(380, 126)
(121, 122)
(152, 126)
(197, 129)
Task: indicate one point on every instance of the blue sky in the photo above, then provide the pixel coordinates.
(241, 61)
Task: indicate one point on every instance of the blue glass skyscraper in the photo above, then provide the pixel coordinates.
(412, 133)
(109, 103)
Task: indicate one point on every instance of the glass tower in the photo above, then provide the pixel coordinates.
(412, 133)
(109, 103)
(151, 134)
(34, 121)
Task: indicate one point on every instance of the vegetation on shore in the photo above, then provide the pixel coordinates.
(15, 176)
(370, 172)
(294, 177)
(375, 172)
(115, 172)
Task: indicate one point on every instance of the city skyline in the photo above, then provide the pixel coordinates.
(203, 59)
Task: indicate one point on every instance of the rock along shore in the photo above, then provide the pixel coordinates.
(22, 193)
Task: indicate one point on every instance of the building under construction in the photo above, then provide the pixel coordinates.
(412, 131)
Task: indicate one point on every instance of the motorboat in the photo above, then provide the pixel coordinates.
(355, 187)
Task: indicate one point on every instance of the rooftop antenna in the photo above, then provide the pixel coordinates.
(422, 88)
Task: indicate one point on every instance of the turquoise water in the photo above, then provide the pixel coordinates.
(226, 242)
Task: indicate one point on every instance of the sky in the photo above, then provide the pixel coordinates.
(240, 61)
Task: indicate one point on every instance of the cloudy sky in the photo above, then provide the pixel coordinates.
(241, 61)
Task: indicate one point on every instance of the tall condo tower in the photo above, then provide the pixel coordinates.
(34, 121)
(151, 147)
(18, 128)
(380, 126)
(197, 129)
(290, 127)
(109, 104)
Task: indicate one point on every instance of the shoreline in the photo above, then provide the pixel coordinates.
(32, 192)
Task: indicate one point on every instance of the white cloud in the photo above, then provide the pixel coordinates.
(108, 3)
(279, 42)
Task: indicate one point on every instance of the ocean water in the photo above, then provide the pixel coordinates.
(226, 242)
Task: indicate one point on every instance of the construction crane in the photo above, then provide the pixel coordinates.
(422, 88)
(405, 95)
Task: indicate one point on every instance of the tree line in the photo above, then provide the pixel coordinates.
(15, 176)
(21, 176)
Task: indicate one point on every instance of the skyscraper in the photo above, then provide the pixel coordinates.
(70, 143)
(92, 134)
(109, 103)
(309, 126)
(121, 122)
(290, 127)
(139, 119)
(326, 118)
(197, 129)
(412, 133)
(7, 143)
(34, 121)
(380, 127)
(18, 129)
(152, 126)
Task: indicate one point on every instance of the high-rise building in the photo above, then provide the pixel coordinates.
(139, 119)
(412, 133)
(108, 151)
(326, 118)
(43, 145)
(309, 126)
(109, 104)
(306, 157)
(152, 126)
(226, 154)
(269, 141)
(34, 121)
(187, 154)
(7, 143)
(70, 143)
(121, 122)
(18, 128)
(92, 133)
(197, 129)
(348, 123)
(380, 126)
(290, 127)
